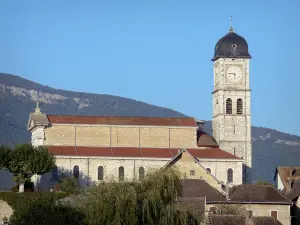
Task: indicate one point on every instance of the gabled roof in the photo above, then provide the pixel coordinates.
(196, 161)
(257, 193)
(192, 188)
(208, 153)
(122, 120)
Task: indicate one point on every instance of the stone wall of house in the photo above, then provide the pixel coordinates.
(5, 210)
(283, 211)
(219, 168)
(192, 170)
(121, 136)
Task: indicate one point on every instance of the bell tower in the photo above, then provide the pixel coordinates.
(231, 99)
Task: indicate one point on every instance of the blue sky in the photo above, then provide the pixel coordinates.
(156, 51)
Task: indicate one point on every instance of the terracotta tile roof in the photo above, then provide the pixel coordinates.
(157, 152)
(200, 188)
(257, 193)
(214, 153)
(62, 150)
(125, 120)
(209, 153)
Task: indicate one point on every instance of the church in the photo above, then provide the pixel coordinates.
(101, 148)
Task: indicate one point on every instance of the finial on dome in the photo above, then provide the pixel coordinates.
(231, 28)
(37, 108)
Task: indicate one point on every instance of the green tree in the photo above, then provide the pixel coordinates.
(149, 202)
(5, 156)
(261, 182)
(27, 160)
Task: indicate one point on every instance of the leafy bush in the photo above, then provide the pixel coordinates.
(231, 209)
(47, 213)
(68, 185)
(21, 201)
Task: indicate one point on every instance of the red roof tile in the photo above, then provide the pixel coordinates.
(213, 153)
(127, 152)
(208, 153)
(94, 151)
(157, 152)
(117, 120)
(62, 150)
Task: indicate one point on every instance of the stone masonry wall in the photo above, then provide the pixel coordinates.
(219, 169)
(191, 170)
(88, 167)
(159, 137)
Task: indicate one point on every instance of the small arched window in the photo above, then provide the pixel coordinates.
(121, 173)
(100, 173)
(76, 171)
(55, 173)
(208, 169)
(228, 106)
(239, 106)
(229, 175)
(141, 173)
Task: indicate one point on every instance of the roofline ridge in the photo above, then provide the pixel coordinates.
(189, 117)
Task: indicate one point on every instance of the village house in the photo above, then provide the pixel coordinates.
(261, 201)
(288, 182)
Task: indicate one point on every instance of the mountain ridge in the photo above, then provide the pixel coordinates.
(18, 98)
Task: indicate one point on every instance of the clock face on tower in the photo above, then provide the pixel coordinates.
(234, 73)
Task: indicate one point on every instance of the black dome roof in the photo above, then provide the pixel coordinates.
(231, 45)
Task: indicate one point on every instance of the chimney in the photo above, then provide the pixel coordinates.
(200, 123)
(227, 191)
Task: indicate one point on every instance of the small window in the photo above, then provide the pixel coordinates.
(121, 173)
(234, 46)
(100, 173)
(192, 172)
(141, 173)
(239, 106)
(228, 106)
(208, 169)
(229, 175)
(76, 171)
(274, 214)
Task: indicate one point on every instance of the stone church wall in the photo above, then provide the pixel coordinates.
(122, 136)
(219, 169)
(88, 167)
